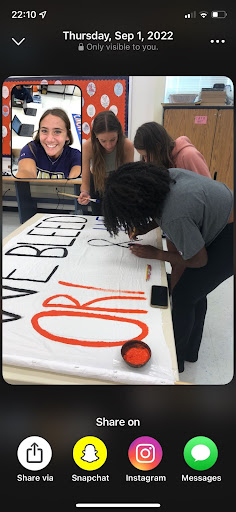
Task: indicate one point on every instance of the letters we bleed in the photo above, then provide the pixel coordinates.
(52, 249)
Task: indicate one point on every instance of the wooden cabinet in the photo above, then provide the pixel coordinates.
(222, 158)
(214, 138)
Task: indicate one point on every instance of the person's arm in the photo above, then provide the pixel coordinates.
(85, 186)
(128, 151)
(26, 168)
(75, 171)
(173, 257)
(176, 270)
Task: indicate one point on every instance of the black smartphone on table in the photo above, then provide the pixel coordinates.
(159, 296)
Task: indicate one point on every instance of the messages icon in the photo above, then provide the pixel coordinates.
(200, 453)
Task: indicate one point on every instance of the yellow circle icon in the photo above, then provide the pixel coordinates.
(90, 453)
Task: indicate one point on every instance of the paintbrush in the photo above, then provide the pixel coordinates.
(133, 234)
(72, 195)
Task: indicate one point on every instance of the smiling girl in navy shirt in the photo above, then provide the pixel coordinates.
(49, 155)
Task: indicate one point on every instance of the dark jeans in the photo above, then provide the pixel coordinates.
(189, 303)
(96, 207)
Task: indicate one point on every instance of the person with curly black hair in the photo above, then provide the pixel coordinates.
(197, 216)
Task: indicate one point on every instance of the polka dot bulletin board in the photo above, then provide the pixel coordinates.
(98, 94)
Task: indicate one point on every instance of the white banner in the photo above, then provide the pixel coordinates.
(72, 295)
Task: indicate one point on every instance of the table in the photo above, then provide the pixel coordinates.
(27, 206)
(22, 375)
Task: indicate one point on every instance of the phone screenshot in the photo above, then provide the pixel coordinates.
(118, 381)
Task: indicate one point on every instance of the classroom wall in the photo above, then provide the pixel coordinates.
(145, 98)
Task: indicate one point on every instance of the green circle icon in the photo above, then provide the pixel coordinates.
(200, 453)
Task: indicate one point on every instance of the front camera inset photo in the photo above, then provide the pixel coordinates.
(46, 131)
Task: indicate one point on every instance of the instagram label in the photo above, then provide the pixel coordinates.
(145, 453)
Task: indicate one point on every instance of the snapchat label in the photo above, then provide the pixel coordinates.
(90, 453)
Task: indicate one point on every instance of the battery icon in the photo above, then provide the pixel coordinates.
(218, 14)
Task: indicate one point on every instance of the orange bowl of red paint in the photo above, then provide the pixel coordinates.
(135, 353)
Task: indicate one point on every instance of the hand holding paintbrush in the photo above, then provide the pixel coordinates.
(133, 237)
(84, 198)
(88, 198)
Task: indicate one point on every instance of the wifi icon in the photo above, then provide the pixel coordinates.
(203, 14)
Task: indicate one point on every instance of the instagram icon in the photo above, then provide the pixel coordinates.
(145, 453)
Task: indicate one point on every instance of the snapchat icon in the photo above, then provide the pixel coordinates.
(90, 453)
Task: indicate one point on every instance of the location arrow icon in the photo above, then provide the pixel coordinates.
(18, 42)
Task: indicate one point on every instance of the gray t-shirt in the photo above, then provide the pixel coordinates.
(195, 211)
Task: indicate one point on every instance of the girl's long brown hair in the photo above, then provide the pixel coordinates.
(105, 122)
(158, 144)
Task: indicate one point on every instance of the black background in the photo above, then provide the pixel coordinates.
(170, 414)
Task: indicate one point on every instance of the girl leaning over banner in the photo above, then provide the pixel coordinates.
(105, 151)
(49, 154)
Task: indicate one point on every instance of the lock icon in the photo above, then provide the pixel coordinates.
(81, 47)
